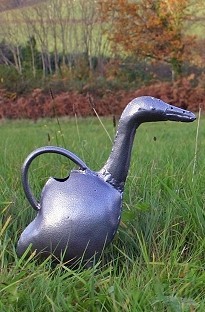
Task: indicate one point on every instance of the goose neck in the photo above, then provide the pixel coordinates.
(116, 168)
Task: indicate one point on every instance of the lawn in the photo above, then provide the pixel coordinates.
(156, 261)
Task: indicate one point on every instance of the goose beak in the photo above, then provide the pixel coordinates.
(177, 114)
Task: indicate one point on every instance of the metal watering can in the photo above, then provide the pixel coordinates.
(77, 217)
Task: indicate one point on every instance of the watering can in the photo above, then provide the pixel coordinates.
(78, 216)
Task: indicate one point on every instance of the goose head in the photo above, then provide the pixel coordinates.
(148, 109)
(139, 110)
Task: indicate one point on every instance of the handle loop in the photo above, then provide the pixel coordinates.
(43, 150)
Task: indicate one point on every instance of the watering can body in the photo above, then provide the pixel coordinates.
(77, 216)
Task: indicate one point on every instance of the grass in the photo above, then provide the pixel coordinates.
(156, 261)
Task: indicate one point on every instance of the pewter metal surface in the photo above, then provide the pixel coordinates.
(79, 216)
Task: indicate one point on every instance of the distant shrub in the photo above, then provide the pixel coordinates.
(40, 104)
(9, 77)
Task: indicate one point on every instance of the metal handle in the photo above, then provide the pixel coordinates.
(42, 150)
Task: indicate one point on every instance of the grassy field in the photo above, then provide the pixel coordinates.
(156, 261)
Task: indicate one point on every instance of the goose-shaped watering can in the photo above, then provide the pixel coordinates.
(78, 216)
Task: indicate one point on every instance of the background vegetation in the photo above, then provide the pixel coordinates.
(91, 46)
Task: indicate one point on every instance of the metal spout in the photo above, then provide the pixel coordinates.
(139, 110)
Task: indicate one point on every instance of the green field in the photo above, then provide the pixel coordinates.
(156, 261)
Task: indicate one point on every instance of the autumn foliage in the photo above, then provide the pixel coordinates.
(40, 104)
(151, 29)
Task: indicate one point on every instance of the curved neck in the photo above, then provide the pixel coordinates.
(116, 168)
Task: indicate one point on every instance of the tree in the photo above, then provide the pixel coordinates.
(37, 25)
(11, 32)
(154, 29)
